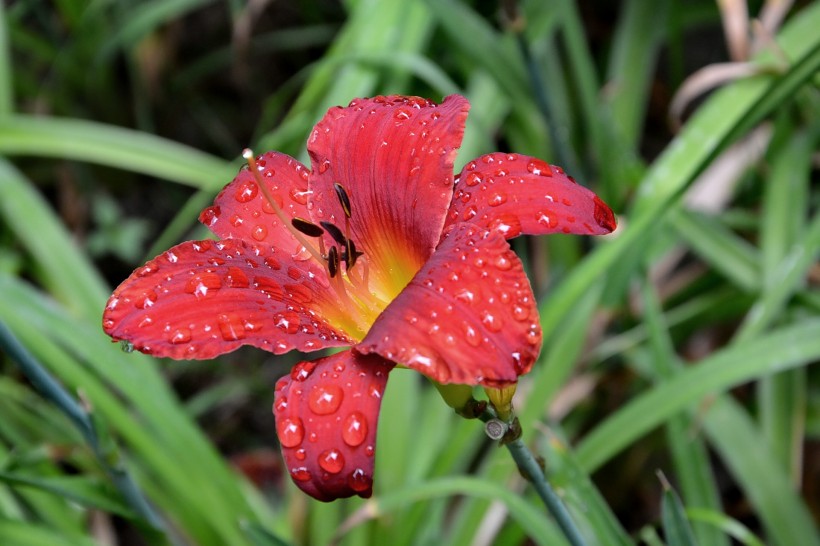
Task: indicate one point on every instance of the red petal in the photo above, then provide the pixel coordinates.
(394, 157)
(514, 194)
(327, 412)
(469, 316)
(205, 298)
(240, 211)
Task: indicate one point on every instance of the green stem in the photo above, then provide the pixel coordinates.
(533, 473)
(55, 392)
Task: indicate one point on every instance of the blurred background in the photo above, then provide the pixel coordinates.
(682, 344)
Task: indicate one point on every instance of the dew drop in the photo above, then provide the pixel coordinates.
(497, 199)
(493, 323)
(503, 263)
(291, 431)
(469, 213)
(324, 166)
(145, 299)
(231, 327)
(287, 321)
(520, 313)
(236, 278)
(147, 269)
(236, 220)
(300, 454)
(246, 191)
(332, 460)
(300, 474)
(359, 481)
(302, 371)
(325, 399)
(259, 232)
(300, 197)
(402, 114)
(603, 215)
(473, 179)
(539, 167)
(471, 335)
(146, 321)
(209, 216)
(181, 335)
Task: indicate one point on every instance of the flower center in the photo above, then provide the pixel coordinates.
(361, 304)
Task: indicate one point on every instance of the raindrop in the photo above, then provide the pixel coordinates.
(302, 371)
(236, 278)
(325, 399)
(465, 295)
(291, 431)
(300, 454)
(493, 323)
(300, 197)
(146, 321)
(147, 269)
(497, 199)
(231, 327)
(300, 474)
(145, 299)
(288, 321)
(259, 232)
(538, 167)
(503, 263)
(473, 179)
(469, 213)
(332, 460)
(520, 313)
(359, 481)
(209, 216)
(472, 336)
(273, 263)
(236, 220)
(324, 166)
(402, 114)
(246, 191)
(182, 335)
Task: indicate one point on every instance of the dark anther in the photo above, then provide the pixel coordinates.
(308, 228)
(333, 261)
(350, 254)
(336, 233)
(341, 193)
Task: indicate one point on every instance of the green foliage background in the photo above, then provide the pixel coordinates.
(681, 344)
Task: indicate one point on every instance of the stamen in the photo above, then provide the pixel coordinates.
(333, 261)
(350, 255)
(247, 153)
(341, 193)
(308, 228)
(335, 232)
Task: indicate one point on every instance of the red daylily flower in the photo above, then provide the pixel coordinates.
(386, 252)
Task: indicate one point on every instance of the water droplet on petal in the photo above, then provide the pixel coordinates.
(302, 371)
(288, 321)
(300, 474)
(493, 323)
(359, 481)
(354, 429)
(231, 327)
(471, 335)
(182, 335)
(325, 399)
(469, 213)
(473, 179)
(246, 191)
(520, 313)
(300, 197)
(236, 278)
(291, 431)
(332, 460)
(145, 299)
(300, 454)
(497, 199)
(259, 232)
(603, 215)
(503, 263)
(538, 167)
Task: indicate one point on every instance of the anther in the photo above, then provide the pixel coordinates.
(341, 193)
(333, 261)
(308, 228)
(350, 254)
(335, 232)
